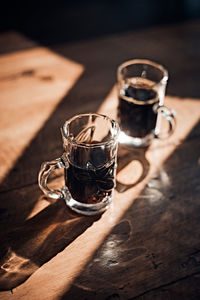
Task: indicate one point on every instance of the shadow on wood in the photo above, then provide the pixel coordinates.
(37, 240)
(155, 245)
(162, 223)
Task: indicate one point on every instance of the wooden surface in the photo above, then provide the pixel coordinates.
(147, 245)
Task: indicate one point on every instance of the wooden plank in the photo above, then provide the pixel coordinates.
(100, 59)
(12, 41)
(187, 288)
(157, 239)
(153, 239)
(149, 237)
(33, 235)
(32, 83)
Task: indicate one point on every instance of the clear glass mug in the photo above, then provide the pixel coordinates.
(141, 93)
(90, 144)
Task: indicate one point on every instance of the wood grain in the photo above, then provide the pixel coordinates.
(146, 246)
(100, 59)
(156, 241)
(32, 82)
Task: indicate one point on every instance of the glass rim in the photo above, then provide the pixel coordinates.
(85, 145)
(146, 62)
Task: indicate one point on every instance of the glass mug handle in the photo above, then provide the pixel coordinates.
(169, 115)
(46, 169)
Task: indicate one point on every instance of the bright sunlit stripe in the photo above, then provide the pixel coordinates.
(32, 83)
(58, 274)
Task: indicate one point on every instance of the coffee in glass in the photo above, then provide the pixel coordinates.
(141, 91)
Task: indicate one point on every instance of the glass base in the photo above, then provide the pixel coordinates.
(135, 142)
(87, 209)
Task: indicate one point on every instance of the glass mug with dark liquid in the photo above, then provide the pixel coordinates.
(141, 92)
(90, 144)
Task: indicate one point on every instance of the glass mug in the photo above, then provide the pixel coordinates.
(90, 144)
(141, 92)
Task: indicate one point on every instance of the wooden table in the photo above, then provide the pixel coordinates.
(147, 244)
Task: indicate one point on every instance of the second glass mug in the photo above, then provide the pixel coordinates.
(90, 144)
(141, 92)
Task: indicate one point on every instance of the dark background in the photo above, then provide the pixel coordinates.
(51, 22)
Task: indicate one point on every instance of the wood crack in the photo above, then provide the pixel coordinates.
(164, 285)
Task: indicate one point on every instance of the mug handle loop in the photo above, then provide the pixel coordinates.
(169, 115)
(46, 169)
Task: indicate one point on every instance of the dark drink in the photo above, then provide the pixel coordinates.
(90, 143)
(90, 186)
(137, 110)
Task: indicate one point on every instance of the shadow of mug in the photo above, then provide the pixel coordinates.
(25, 248)
(126, 156)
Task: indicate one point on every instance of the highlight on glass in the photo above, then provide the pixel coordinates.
(141, 92)
(90, 143)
